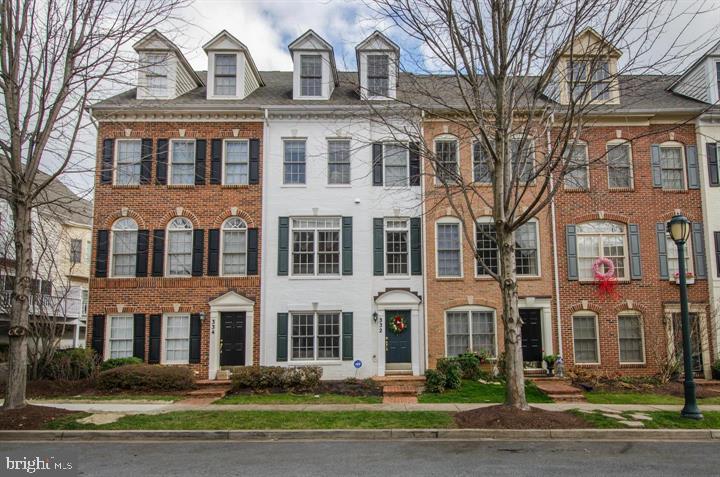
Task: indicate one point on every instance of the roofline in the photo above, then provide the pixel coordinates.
(695, 64)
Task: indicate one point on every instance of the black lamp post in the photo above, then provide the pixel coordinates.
(679, 230)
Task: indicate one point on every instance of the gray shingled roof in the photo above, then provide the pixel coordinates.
(639, 94)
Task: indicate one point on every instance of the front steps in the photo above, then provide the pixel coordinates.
(400, 388)
(558, 389)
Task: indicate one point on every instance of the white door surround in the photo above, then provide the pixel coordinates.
(229, 302)
(400, 300)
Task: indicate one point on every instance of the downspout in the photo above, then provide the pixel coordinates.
(556, 272)
(263, 250)
(424, 246)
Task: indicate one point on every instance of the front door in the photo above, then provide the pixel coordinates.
(531, 334)
(397, 336)
(232, 339)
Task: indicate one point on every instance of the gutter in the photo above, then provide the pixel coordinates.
(556, 271)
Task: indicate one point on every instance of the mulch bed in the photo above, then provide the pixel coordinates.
(348, 387)
(47, 389)
(506, 417)
(672, 388)
(30, 417)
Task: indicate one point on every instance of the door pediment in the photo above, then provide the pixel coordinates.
(232, 299)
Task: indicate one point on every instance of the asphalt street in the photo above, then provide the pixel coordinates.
(380, 458)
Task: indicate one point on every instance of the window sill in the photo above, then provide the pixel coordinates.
(315, 277)
(450, 279)
(235, 186)
(576, 190)
(338, 186)
(676, 191)
(126, 186)
(181, 186)
(398, 277)
(174, 363)
(398, 187)
(293, 186)
(622, 281)
(633, 365)
(587, 365)
(337, 362)
(484, 278)
(621, 189)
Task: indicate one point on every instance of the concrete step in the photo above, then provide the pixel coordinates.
(213, 382)
(419, 380)
(400, 390)
(216, 392)
(567, 397)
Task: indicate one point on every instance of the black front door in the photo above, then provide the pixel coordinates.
(232, 339)
(397, 343)
(531, 334)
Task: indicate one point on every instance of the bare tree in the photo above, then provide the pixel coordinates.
(523, 79)
(54, 56)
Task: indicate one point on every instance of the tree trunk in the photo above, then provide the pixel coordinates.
(514, 372)
(19, 310)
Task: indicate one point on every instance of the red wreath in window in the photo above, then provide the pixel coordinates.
(604, 272)
(397, 324)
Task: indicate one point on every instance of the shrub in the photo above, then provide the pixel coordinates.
(470, 366)
(72, 364)
(434, 381)
(305, 378)
(117, 362)
(450, 367)
(260, 378)
(147, 377)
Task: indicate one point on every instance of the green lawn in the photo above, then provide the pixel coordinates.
(602, 397)
(473, 391)
(660, 420)
(291, 398)
(214, 420)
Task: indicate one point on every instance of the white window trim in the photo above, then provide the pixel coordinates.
(315, 358)
(366, 78)
(108, 327)
(620, 142)
(224, 158)
(716, 77)
(469, 309)
(472, 154)
(323, 60)
(683, 161)
(458, 222)
(116, 153)
(642, 336)
(689, 256)
(170, 160)
(111, 269)
(407, 165)
(212, 73)
(328, 140)
(597, 338)
(316, 256)
(584, 145)
(626, 251)
(163, 339)
(167, 248)
(222, 248)
(385, 248)
(294, 185)
(445, 138)
(486, 219)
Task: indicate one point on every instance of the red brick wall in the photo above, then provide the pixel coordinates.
(153, 206)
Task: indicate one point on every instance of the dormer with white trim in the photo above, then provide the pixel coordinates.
(378, 58)
(232, 73)
(701, 81)
(163, 73)
(314, 74)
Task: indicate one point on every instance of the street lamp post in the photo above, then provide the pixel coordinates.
(679, 230)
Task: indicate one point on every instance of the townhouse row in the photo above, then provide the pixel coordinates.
(246, 217)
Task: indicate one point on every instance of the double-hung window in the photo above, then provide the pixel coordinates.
(378, 75)
(446, 159)
(601, 239)
(177, 339)
(522, 159)
(486, 249)
(339, 161)
(672, 166)
(585, 338)
(121, 336)
(315, 336)
(128, 162)
(225, 75)
(396, 164)
(449, 250)
(630, 338)
(182, 165)
(481, 165)
(234, 247)
(311, 75)
(577, 167)
(155, 70)
(526, 249)
(316, 246)
(589, 78)
(294, 161)
(673, 260)
(179, 247)
(75, 251)
(470, 331)
(397, 235)
(124, 247)
(619, 166)
(235, 168)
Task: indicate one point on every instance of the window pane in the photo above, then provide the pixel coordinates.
(522, 161)
(303, 252)
(234, 252)
(601, 239)
(121, 336)
(448, 247)
(225, 75)
(396, 246)
(338, 162)
(236, 162)
(294, 158)
(481, 166)
(310, 75)
(619, 167)
(395, 158)
(577, 167)
(483, 332)
(124, 249)
(378, 75)
(585, 339)
(486, 245)
(458, 333)
(179, 252)
(328, 333)
(631, 346)
(671, 163)
(328, 252)
(128, 163)
(177, 338)
(526, 261)
(303, 336)
(183, 163)
(446, 160)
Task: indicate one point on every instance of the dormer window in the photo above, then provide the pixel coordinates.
(225, 74)
(378, 75)
(311, 75)
(580, 75)
(156, 75)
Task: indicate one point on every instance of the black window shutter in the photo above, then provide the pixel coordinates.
(141, 257)
(283, 245)
(377, 164)
(635, 262)
(146, 161)
(347, 336)
(347, 245)
(101, 254)
(662, 249)
(155, 336)
(216, 161)
(200, 146)
(161, 163)
(195, 334)
(254, 161)
(282, 337)
(414, 164)
(213, 269)
(197, 255)
(252, 252)
(106, 171)
(712, 160)
(158, 258)
(571, 252)
(139, 336)
(716, 235)
(378, 247)
(698, 243)
(416, 246)
(98, 335)
(693, 168)
(656, 168)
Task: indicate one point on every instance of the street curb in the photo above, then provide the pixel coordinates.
(369, 434)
